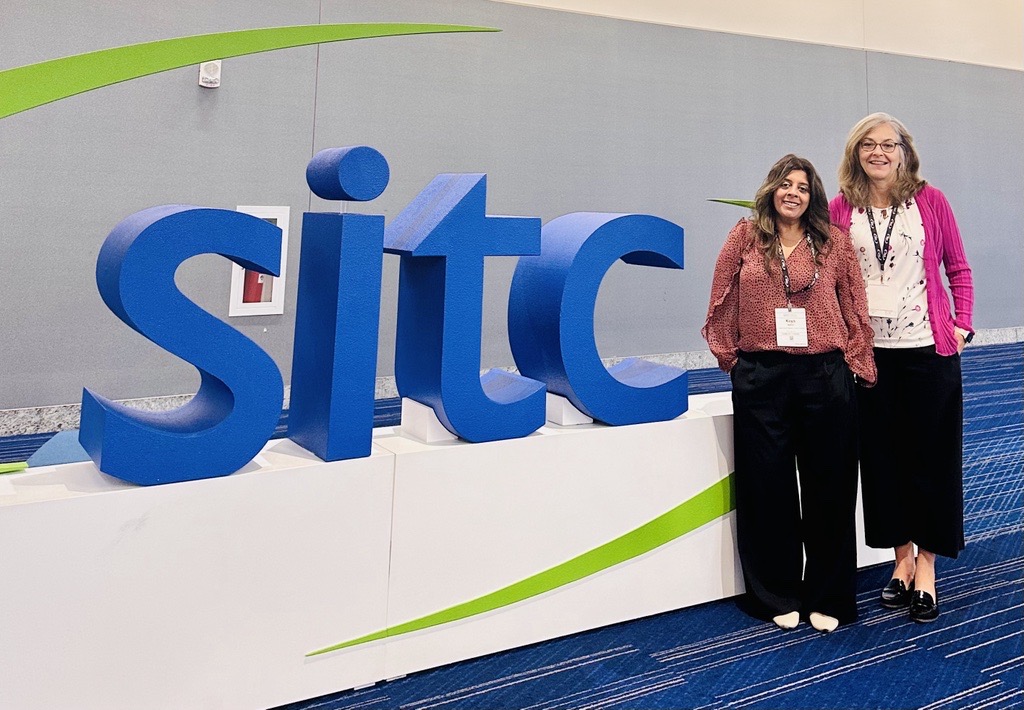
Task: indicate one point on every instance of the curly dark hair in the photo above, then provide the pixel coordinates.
(815, 220)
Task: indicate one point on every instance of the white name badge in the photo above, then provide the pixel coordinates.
(881, 300)
(791, 327)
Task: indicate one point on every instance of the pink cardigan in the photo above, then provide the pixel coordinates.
(942, 245)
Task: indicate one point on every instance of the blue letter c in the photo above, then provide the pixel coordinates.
(551, 316)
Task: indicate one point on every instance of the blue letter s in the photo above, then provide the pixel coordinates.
(239, 400)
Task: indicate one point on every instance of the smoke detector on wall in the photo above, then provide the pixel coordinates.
(209, 74)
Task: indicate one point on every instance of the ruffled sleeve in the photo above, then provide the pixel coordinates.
(721, 329)
(853, 303)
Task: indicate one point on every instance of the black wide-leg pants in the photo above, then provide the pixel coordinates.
(790, 413)
(911, 459)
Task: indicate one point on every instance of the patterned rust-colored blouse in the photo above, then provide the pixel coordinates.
(741, 315)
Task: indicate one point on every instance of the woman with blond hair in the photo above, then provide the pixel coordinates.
(911, 424)
(788, 321)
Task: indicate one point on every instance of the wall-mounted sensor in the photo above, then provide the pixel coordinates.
(209, 74)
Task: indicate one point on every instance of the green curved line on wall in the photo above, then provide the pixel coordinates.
(23, 88)
(706, 506)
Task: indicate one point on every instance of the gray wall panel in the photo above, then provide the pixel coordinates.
(563, 112)
(73, 169)
(968, 126)
(569, 113)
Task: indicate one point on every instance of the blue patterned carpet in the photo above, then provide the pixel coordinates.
(713, 656)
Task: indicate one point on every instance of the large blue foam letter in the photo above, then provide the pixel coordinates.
(336, 318)
(551, 316)
(240, 394)
(443, 237)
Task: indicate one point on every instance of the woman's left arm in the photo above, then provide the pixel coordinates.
(954, 260)
(853, 303)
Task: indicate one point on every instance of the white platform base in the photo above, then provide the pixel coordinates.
(562, 412)
(420, 422)
(214, 594)
(192, 595)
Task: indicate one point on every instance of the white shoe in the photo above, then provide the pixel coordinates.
(788, 621)
(822, 622)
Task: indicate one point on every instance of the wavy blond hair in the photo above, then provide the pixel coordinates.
(815, 220)
(854, 182)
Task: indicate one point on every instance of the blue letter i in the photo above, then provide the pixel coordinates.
(334, 362)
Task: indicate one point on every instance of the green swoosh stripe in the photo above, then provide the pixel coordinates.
(33, 85)
(712, 503)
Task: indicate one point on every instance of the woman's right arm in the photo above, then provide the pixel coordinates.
(721, 328)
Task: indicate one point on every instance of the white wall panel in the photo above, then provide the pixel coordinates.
(988, 32)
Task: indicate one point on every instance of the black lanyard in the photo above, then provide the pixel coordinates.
(881, 250)
(785, 272)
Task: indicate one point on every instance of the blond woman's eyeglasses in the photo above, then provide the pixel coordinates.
(867, 145)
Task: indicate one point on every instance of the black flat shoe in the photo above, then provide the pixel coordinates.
(896, 595)
(923, 608)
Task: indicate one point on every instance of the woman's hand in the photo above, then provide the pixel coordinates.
(960, 343)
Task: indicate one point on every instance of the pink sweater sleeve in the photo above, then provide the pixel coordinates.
(954, 258)
(840, 211)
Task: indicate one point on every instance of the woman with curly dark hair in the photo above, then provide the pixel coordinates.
(788, 320)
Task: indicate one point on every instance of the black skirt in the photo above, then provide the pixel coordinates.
(911, 451)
